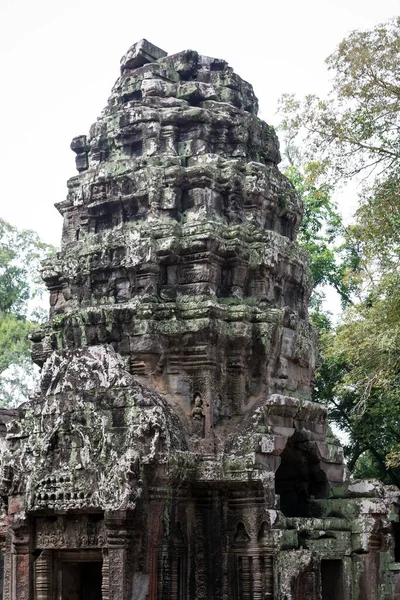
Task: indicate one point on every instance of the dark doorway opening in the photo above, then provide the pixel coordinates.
(332, 579)
(299, 480)
(396, 536)
(81, 581)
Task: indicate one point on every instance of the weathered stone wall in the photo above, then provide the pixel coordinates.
(179, 242)
(171, 451)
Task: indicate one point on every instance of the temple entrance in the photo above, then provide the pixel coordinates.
(332, 579)
(299, 480)
(79, 576)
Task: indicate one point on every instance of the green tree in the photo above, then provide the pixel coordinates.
(356, 128)
(334, 257)
(354, 132)
(360, 381)
(21, 290)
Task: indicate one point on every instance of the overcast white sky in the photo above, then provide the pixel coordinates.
(60, 58)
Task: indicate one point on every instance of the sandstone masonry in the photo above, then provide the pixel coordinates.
(172, 451)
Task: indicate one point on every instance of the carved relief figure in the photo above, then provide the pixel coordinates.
(197, 416)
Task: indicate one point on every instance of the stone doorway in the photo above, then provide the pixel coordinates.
(332, 580)
(79, 575)
(300, 479)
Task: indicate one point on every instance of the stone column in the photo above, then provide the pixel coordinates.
(7, 567)
(3, 550)
(44, 576)
(105, 577)
(21, 563)
(117, 543)
(258, 585)
(246, 577)
(154, 543)
(269, 576)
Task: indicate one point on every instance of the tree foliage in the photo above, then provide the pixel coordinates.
(334, 258)
(357, 127)
(21, 253)
(360, 380)
(354, 132)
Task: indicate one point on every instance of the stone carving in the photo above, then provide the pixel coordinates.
(171, 450)
(197, 416)
(70, 532)
(70, 460)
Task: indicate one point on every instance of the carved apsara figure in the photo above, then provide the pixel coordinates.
(197, 416)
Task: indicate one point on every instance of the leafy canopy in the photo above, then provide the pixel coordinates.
(354, 133)
(357, 127)
(333, 256)
(21, 289)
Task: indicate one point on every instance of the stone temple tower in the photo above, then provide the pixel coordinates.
(172, 451)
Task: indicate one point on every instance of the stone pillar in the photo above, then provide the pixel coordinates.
(246, 577)
(7, 567)
(21, 559)
(44, 576)
(258, 584)
(105, 577)
(3, 546)
(269, 576)
(154, 528)
(117, 542)
(201, 560)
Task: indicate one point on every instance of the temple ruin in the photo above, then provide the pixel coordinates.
(171, 450)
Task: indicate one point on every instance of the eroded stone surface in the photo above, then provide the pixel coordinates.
(171, 450)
